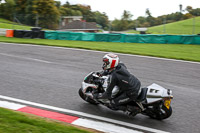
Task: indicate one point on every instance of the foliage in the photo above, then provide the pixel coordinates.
(70, 10)
(47, 14)
(7, 9)
(149, 20)
(26, 11)
(101, 19)
(85, 11)
(124, 23)
(44, 7)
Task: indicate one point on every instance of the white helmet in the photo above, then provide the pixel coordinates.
(110, 61)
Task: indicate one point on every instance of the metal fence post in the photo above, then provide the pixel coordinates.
(193, 30)
(37, 20)
(164, 23)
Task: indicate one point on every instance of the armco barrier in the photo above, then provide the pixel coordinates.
(99, 37)
(3, 32)
(131, 38)
(88, 37)
(19, 33)
(9, 33)
(28, 34)
(75, 36)
(51, 35)
(116, 38)
(60, 35)
(196, 40)
(127, 38)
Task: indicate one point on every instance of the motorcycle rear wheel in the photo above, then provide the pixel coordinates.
(164, 113)
(88, 99)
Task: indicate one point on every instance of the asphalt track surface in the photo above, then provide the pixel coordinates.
(52, 76)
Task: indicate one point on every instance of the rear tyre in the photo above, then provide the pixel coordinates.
(85, 98)
(164, 113)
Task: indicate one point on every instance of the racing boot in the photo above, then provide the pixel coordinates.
(132, 110)
(111, 105)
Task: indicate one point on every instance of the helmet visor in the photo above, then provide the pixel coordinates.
(105, 63)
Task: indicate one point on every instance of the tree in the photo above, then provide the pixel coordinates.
(78, 10)
(102, 19)
(151, 21)
(189, 9)
(126, 20)
(195, 12)
(124, 23)
(47, 12)
(21, 6)
(187, 16)
(148, 12)
(7, 9)
(116, 25)
(69, 12)
(88, 15)
(58, 4)
(127, 15)
(85, 12)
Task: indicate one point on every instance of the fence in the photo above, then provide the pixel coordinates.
(123, 38)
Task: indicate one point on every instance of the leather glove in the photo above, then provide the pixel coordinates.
(95, 95)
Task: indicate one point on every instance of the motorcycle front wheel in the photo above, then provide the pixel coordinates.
(85, 98)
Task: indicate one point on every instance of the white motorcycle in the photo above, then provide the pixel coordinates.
(154, 100)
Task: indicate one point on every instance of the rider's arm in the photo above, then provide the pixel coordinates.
(102, 73)
(111, 83)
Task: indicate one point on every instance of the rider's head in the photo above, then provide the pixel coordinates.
(110, 61)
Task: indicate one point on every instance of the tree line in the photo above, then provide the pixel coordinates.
(48, 14)
(148, 20)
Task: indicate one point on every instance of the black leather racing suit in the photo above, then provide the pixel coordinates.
(129, 86)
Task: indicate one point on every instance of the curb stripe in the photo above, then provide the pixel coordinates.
(100, 126)
(48, 114)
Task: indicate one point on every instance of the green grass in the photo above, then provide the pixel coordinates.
(174, 51)
(5, 21)
(6, 24)
(16, 122)
(180, 27)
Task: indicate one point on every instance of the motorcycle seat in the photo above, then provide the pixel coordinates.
(142, 95)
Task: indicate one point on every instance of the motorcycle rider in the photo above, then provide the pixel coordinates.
(119, 76)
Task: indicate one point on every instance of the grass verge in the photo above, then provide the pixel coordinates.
(6, 24)
(12, 122)
(173, 51)
(188, 27)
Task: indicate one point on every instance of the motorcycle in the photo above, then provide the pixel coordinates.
(154, 100)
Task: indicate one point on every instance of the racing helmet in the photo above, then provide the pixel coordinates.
(110, 61)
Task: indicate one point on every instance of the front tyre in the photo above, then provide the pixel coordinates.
(85, 98)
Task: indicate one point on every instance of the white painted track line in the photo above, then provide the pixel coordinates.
(102, 126)
(9, 105)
